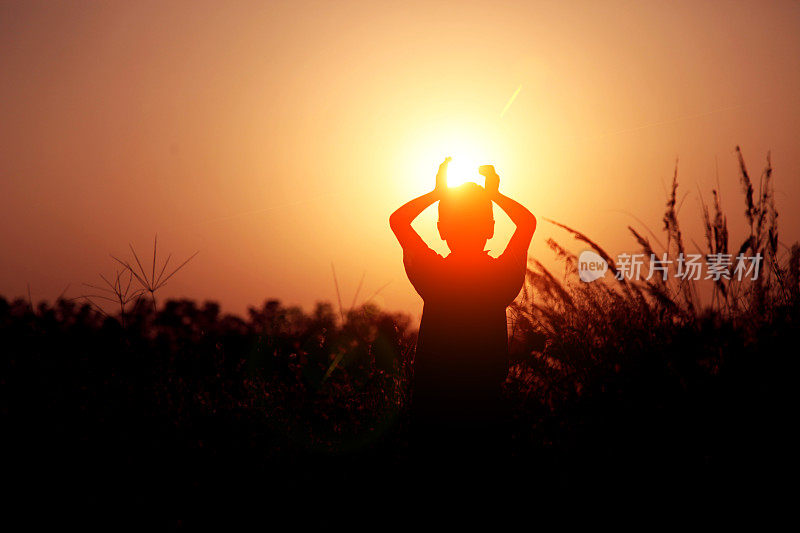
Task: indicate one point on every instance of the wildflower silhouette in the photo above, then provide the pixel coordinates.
(151, 283)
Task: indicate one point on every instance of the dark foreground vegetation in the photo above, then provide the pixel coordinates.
(617, 386)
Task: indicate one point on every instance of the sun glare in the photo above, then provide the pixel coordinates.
(465, 145)
(463, 168)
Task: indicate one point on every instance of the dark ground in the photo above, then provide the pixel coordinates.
(190, 407)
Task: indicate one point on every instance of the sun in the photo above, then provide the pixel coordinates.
(468, 152)
(469, 140)
(463, 168)
(467, 149)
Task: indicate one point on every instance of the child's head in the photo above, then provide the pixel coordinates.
(466, 220)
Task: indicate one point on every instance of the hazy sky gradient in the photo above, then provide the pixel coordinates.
(276, 138)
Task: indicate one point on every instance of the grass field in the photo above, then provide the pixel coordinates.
(616, 384)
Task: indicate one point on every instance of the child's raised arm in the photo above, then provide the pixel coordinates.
(400, 220)
(519, 215)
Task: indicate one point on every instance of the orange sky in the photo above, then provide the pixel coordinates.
(276, 138)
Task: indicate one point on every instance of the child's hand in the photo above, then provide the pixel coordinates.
(492, 183)
(441, 176)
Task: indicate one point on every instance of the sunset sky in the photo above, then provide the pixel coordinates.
(275, 138)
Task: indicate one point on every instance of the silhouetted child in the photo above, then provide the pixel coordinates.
(462, 350)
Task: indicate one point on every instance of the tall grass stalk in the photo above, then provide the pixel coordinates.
(601, 323)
